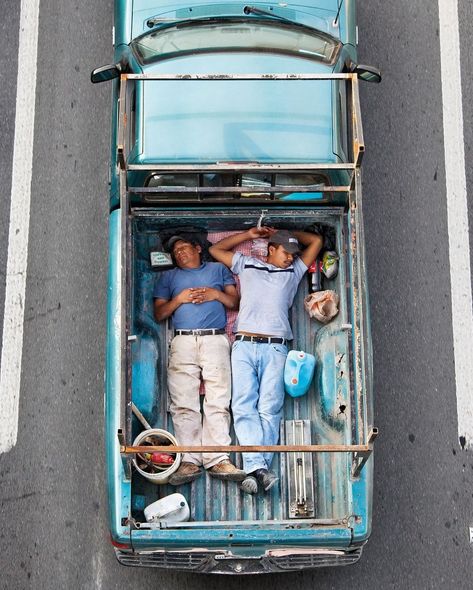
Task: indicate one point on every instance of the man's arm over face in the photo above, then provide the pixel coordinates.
(222, 251)
(313, 243)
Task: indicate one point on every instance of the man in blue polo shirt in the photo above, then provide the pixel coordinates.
(259, 351)
(196, 295)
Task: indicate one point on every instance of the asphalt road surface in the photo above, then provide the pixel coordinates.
(52, 490)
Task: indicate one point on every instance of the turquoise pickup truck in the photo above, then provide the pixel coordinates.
(227, 115)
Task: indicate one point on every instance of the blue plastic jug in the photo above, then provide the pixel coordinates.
(298, 372)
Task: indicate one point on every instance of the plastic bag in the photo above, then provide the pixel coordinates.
(322, 305)
(329, 264)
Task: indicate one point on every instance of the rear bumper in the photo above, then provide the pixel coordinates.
(224, 562)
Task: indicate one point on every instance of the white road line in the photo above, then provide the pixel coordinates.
(12, 341)
(458, 232)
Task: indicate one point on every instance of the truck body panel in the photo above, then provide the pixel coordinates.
(215, 142)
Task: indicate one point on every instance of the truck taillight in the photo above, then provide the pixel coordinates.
(120, 545)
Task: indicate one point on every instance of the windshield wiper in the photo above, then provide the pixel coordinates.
(153, 21)
(254, 10)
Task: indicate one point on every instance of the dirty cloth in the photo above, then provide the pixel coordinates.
(322, 305)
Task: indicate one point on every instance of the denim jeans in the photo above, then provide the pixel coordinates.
(257, 397)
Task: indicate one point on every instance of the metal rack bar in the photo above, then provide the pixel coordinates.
(360, 452)
(242, 167)
(360, 457)
(236, 189)
(122, 120)
(219, 77)
(357, 129)
(128, 450)
(357, 132)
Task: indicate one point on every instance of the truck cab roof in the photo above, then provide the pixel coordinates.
(228, 120)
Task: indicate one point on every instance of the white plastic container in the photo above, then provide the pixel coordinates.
(172, 508)
(157, 436)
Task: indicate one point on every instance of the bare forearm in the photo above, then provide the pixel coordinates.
(229, 301)
(312, 245)
(230, 242)
(164, 310)
(306, 238)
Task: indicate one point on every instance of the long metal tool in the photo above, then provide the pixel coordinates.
(300, 470)
(140, 417)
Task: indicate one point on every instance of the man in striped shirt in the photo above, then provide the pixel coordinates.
(262, 331)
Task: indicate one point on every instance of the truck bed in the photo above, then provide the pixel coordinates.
(328, 406)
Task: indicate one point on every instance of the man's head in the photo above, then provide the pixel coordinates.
(185, 252)
(282, 248)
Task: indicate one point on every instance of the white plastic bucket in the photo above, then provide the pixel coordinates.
(157, 436)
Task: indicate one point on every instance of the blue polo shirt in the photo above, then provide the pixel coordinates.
(190, 316)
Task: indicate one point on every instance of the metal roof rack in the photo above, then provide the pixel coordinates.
(355, 132)
(363, 433)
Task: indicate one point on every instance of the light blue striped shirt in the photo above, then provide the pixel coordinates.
(267, 293)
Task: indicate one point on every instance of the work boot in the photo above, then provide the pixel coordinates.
(266, 478)
(187, 472)
(227, 471)
(249, 485)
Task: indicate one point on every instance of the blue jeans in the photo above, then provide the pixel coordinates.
(257, 397)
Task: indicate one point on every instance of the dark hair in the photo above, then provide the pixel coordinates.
(178, 238)
(191, 242)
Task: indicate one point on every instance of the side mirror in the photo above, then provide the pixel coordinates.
(105, 73)
(367, 73)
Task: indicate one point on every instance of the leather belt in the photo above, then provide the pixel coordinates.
(261, 339)
(198, 332)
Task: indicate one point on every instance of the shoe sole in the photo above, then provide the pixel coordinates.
(247, 490)
(179, 481)
(228, 476)
(271, 484)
